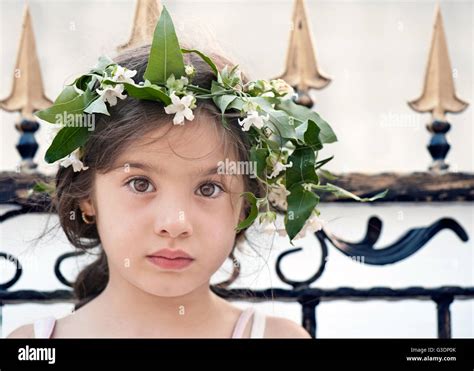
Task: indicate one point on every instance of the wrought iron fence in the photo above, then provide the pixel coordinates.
(301, 292)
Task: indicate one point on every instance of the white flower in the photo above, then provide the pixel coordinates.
(181, 108)
(238, 74)
(269, 94)
(277, 196)
(73, 159)
(111, 93)
(281, 87)
(270, 228)
(271, 225)
(313, 224)
(278, 167)
(253, 118)
(177, 85)
(249, 106)
(189, 70)
(122, 74)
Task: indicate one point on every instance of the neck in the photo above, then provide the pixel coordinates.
(144, 314)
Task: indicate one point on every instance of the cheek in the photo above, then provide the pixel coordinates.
(118, 211)
(118, 226)
(219, 234)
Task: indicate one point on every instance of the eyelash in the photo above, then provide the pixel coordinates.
(205, 182)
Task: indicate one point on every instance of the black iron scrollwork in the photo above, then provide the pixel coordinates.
(18, 271)
(413, 240)
(315, 276)
(57, 266)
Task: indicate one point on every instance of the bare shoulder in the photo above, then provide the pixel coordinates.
(22, 332)
(278, 327)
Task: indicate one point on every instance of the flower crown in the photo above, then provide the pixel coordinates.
(285, 136)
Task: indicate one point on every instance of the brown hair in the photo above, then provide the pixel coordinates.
(130, 120)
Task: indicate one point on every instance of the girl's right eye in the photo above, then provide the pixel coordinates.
(140, 185)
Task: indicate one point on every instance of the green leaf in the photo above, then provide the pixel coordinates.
(237, 104)
(327, 174)
(74, 106)
(259, 156)
(204, 57)
(322, 162)
(340, 192)
(274, 146)
(253, 211)
(42, 187)
(303, 113)
(69, 93)
(102, 64)
(93, 82)
(82, 82)
(166, 57)
(279, 123)
(300, 206)
(66, 141)
(229, 78)
(148, 91)
(223, 102)
(302, 171)
(311, 136)
(97, 106)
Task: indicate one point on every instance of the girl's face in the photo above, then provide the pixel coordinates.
(167, 194)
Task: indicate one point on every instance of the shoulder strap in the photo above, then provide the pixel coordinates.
(43, 327)
(242, 322)
(258, 325)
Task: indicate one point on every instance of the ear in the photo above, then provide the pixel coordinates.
(87, 207)
(242, 212)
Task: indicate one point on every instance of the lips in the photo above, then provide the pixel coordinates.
(171, 259)
(171, 254)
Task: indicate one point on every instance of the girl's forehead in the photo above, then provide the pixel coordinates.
(196, 146)
(194, 138)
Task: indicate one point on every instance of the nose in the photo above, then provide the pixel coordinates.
(173, 225)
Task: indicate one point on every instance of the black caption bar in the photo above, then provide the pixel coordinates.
(452, 354)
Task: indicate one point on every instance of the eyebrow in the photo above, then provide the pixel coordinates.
(156, 169)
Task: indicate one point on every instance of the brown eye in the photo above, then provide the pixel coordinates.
(208, 190)
(140, 185)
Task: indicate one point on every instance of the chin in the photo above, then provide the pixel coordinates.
(169, 289)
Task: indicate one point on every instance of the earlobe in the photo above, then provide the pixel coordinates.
(242, 216)
(87, 207)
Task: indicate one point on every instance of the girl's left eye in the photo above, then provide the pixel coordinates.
(140, 185)
(207, 189)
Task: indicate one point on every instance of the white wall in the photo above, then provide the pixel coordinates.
(375, 52)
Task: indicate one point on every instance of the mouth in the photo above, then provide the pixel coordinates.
(167, 263)
(171, 259)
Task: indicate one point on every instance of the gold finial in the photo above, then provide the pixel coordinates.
(27, 93)
(147, 13)
(438, 95)
(301, 67)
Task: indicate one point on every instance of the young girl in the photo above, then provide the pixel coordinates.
(152, 199)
